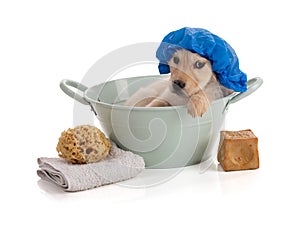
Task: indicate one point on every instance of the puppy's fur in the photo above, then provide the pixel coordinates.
(192, 83)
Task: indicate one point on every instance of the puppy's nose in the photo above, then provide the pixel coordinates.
(178, 84)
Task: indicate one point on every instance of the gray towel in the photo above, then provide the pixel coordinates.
(119, 165)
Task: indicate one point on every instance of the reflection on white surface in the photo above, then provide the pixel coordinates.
(214, 182)
(237, 182)
(148, 183)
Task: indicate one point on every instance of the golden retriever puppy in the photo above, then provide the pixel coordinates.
(192, 82)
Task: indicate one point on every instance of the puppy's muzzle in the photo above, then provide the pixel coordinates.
(178, 85)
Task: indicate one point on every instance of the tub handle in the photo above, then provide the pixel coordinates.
(252, 85)
(65, 84)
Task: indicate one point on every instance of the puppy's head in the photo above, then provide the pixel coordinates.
(190, 72)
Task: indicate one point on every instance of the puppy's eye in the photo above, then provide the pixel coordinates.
(176, 60)
(199, 64)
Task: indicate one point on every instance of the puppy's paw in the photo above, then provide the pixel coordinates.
(197, 105)
(157, 102)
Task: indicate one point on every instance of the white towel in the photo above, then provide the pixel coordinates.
(119, 165)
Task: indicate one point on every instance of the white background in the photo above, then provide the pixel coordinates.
(44, 42)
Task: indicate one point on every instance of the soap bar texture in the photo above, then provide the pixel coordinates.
(238, 150)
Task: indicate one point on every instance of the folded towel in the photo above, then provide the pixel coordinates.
(119, 165)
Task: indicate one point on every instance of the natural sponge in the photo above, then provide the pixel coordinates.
(83, 144)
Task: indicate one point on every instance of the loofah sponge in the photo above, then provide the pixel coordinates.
(83, 144)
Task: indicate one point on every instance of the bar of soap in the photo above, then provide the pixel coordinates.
(238, 150)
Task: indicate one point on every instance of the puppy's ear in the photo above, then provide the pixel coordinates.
(226, 91)
(214, 78)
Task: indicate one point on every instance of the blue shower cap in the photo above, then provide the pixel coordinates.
(223, 58)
